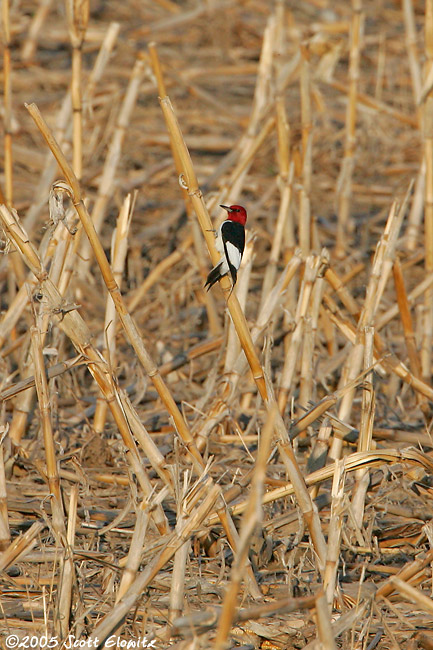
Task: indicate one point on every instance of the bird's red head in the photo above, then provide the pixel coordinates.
(236, 213)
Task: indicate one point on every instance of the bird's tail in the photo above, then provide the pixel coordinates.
(213, 276)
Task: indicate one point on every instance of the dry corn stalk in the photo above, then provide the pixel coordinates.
(411, 45)
(119, 246)
(7, 103)
(5, 535)
(352, 462)
(67, 568)
(305, 223)
(47, 430)
(177, 588)
(324, 627)
(366, 427)
(252, 518)
(74, 327)
(344, 183)
(63, 125)
(21, 545)
(381, 268)
(107, 180)
(409, 333)
(427, 109)
(412, 594)
(209, 493)
(190, 182)
(336, 522)
(77, 12)
(310, 274)
(207, 297)
(238, 317)
(30, 44)
(134, 553)
(113, 289)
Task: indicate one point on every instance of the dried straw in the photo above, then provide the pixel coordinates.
(77, 12)
(190, 182)
(344, 183)
(251, 519)
(47, 430)
(107, 274)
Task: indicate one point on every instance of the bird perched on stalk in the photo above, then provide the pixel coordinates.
(230, 243)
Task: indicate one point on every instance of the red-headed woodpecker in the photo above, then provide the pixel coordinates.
(230, 244)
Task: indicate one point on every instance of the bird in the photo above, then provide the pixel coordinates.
(230, 243)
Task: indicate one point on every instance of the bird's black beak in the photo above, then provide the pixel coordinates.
(226, 207)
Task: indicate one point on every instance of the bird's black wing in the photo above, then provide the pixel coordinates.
(233, 233)
(213, 276)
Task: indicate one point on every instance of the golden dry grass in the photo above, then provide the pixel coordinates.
(217, 470)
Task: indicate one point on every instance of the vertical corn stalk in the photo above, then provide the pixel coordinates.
(266, 313)
(177, 588)
(251, 519)
(409, 333)
(135, 551)
(107, 181)
(413, 229)
(334, 534)
(5, 535)
(78, 16)
(49, 252)
(47, 430)
(23, 401)
(284, 181)
(190, 181)
(306, 385)
(411, 47)
(366, 428)
(29, 46)
(291, 357)
(324, 627)
(67, 572)
(419, 92)
(208, 493)
(63, 125)
(239, 321)
(207, 297)
(344, 183)
(382, 265)
(75, 328)
(128, 324)
(428, 196)
(307, 150)
(7, 102)
(119, 248)
(7, 196)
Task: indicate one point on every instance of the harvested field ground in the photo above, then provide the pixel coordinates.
(191, 469)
